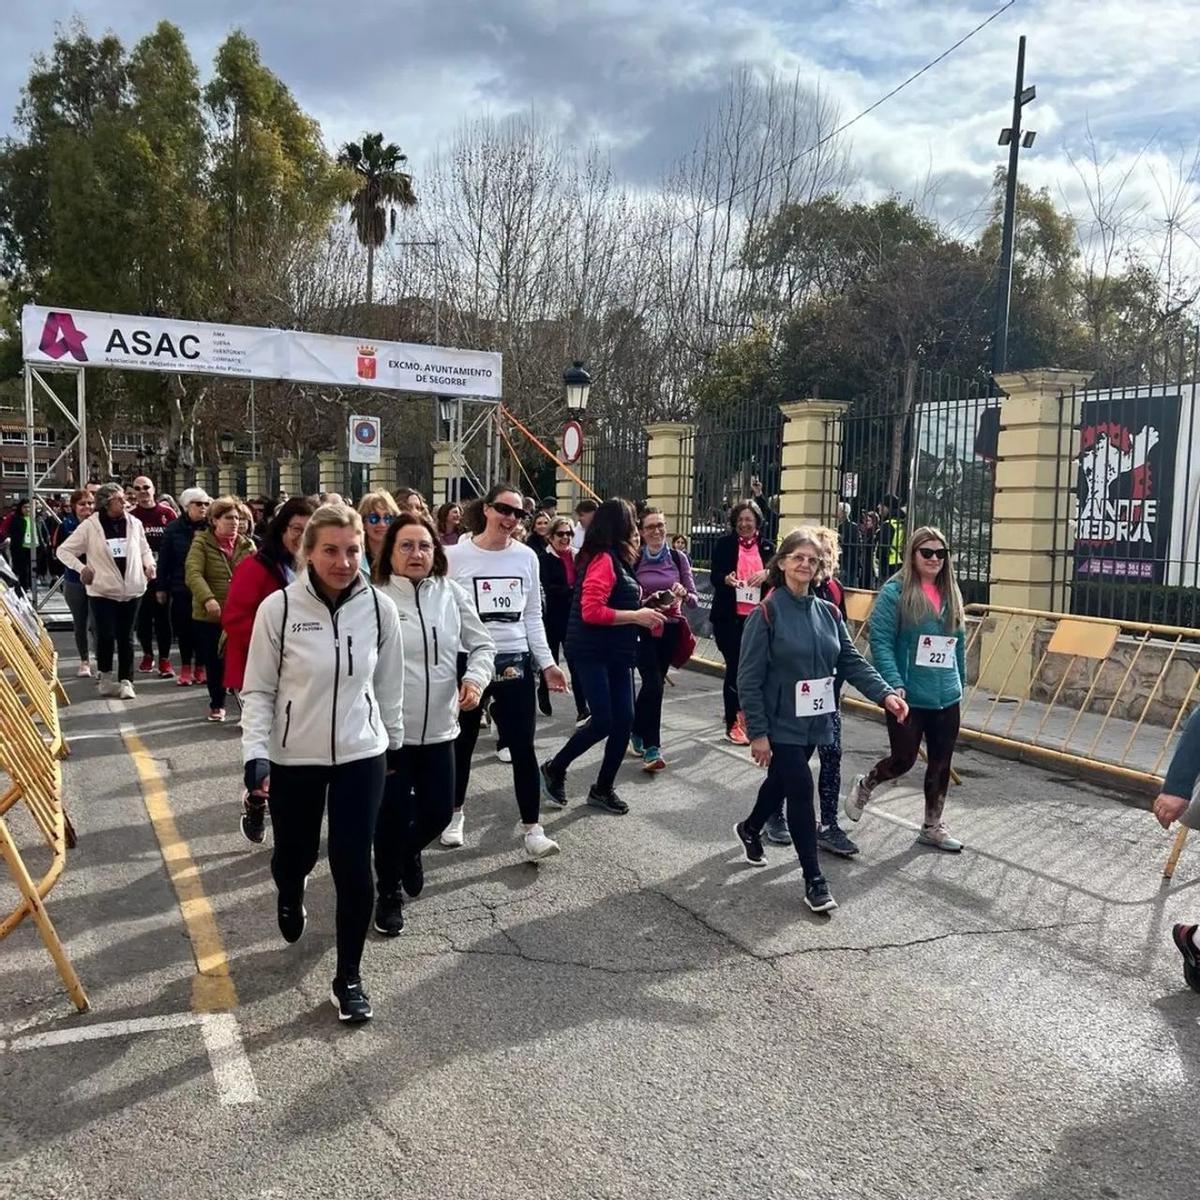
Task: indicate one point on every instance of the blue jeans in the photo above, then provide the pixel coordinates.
(608, 692)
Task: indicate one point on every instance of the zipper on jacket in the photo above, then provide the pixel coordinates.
(425, 656)
(350, 652)
(287, 723)
(370, 713)
(337, 670)
(435, 646)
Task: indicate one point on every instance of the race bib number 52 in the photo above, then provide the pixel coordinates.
(937, 652)
(500, 598)
(814, 697)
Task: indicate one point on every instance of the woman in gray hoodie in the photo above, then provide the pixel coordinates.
(793, 648)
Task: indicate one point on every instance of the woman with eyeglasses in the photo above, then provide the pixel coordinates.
(74, 592)
(665, 576)
(502, 578)
(378, 510)
(918, 642)
(558, 584)
(607, 612)
(795, 647)
(438, 622)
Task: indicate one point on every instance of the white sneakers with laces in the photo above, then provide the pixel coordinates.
(452, 835)
(538, 845)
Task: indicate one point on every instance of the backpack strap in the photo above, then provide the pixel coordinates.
(283, 630)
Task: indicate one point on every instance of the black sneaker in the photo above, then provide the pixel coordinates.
(352, 1003)
(582, 718)
(833, 838)
(607, 800)
(412, 876)
(1182, 936)
(817, 895)
(389, 914)
(776, 830)
(292, 917)
(254, 818)
(554, 786)
(751, 843)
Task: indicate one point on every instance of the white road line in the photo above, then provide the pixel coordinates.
(232, 1072)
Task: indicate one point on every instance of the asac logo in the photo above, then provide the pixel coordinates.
(59, 337)
(366, 362)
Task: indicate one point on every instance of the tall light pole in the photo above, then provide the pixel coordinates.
(1013, 139)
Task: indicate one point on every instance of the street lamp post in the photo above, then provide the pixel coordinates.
(579, 386)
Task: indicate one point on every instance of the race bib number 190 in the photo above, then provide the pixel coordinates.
(814, 697)
(500, 599)
(937, 652)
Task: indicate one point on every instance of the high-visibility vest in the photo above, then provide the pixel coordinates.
(896, 549)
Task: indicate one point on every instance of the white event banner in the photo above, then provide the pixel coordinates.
(69, 337)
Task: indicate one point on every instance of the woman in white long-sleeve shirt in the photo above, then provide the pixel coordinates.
(438, 622)
(322, 715)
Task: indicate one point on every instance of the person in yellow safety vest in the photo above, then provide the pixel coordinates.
(890, 540)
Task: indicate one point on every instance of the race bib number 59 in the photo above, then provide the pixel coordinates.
(500, 598)
(937, 652)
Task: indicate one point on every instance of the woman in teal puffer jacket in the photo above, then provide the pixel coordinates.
(918, 645)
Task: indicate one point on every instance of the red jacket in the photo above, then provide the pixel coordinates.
(254, 579)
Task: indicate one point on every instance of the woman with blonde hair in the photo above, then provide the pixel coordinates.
(918, 642)
(378, 511)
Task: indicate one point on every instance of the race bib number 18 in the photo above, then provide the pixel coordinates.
(748, 595)
(501, 598)
(814, 697)
(937, 652)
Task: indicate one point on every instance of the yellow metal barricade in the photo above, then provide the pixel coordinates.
(31, 746)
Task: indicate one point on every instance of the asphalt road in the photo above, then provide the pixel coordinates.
(644, 1016)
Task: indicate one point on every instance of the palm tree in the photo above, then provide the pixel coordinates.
(381, 187)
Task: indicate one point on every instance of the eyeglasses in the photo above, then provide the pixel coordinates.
(650, 528)
(805, 560)
(415, 547)
(928, 554)
(143, 487)
(296, 530)
(380, 518)
(508, 510)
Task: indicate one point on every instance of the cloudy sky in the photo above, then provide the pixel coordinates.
(639, 74)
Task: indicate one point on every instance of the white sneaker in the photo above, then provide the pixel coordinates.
(452, 835)
(856, 798)
(504, 754)
(538, 845)
(108, 684)
(125, 690)
(84, 672)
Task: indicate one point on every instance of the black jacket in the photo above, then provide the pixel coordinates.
(724, 561)
(173, 552)
(558, 594)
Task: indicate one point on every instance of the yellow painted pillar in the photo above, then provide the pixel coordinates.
(382, 475)
(445, 468)
(331, 473)
(206, 478)
(1035, 472)
(289, 474)
(811, 463)
(227, 480)
(256, 478)
(669, 451)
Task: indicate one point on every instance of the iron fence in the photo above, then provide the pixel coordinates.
(619, 461)
(1127, 513)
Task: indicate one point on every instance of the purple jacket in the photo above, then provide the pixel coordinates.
(658, 577)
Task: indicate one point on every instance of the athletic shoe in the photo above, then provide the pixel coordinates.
(1184, 938)
(165, 670)
(939, 837)
(352, 1003)
(389, 914)
(751, 844)
(776, 830)
(452, 835)
(412, 876)
(84, 671)
(833, 838)
(108, 684)
(653, 760)
(737, 735)
(608, 800)
(636, 748)
(125, 690)
(200, 676)
(857, 798)
(816, 894)
(538, 845)
(254, 818)
(216, 715)
(504, 754)
(554, 787)
(146, 665)
(184, 678)
(292, 917)
(581, 719)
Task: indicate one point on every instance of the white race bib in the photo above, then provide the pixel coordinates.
(500, 597)
(117, 547)
(748, 595)
(938, 652)
(814, 697)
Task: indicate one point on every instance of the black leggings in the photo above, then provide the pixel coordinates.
(608, 690)
(728, 635)
(207, 637)
(556, 635)
(297, 800)
(790, 777)
(154, 619)
(940, 729)
(114, 628)
(181, 622)
(418, 800)
(654, 661)
(513, 710)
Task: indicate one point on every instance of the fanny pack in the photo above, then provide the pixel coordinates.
(511, 667)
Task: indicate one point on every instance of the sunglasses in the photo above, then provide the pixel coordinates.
(508, 510)
(928, 555)
(561, 533)
(380, 518)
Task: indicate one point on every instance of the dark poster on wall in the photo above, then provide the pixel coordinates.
(1124, 487)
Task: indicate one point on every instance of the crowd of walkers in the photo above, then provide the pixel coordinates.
(369, 647)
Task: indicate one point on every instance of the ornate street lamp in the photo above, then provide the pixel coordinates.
(579, 385)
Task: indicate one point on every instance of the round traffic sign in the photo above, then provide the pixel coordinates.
(365, 433)
(572, 441)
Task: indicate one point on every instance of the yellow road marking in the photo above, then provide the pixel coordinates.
(212, 988)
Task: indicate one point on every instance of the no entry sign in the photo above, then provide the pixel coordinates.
(572, 442)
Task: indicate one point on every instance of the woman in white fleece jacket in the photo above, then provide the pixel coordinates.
(438, 623)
